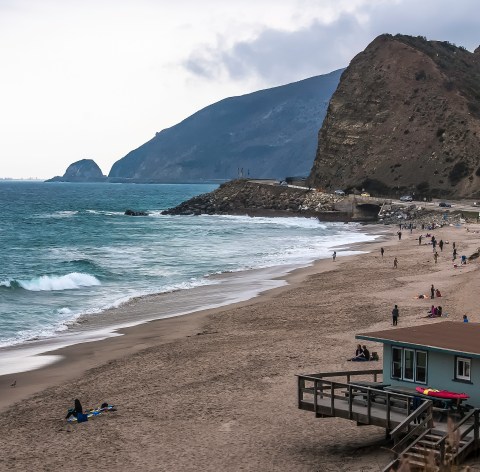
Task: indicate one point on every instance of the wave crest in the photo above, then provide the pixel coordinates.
(47, 283)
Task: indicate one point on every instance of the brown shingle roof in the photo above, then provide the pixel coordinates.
(446, 336)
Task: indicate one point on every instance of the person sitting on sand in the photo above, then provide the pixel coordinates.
(366, 353)
(439, 311)
(465, 318)
(438, 293)
(431, 312)
(359, 355)
(75, 410)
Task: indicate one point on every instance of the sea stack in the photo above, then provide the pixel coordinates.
(85, 170)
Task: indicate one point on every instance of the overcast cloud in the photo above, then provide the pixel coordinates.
(97, 78)
(278, 56)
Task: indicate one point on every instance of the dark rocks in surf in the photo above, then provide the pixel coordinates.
(135, 213)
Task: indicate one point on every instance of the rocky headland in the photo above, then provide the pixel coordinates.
(240, 197)
(85, 170)
(405, 118)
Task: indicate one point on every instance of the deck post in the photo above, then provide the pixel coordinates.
(350, 402)
(375, 377)
(369, 406)
(475, 429)
(387, 401)
(332, 398)
(299, 392)
(315, 398)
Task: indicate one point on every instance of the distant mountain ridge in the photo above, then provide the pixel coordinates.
(271, 133)
(404, 118)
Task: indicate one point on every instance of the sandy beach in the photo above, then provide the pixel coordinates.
(216, 390)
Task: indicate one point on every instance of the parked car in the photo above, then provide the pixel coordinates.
(339, 192)
(365, 194)
(444, 204)
(406, 198)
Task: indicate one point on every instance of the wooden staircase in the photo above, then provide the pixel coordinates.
(427, 449)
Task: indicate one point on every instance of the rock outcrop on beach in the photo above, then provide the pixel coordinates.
(405, 118)
(271, 133)
(241, 197)
(85, 170)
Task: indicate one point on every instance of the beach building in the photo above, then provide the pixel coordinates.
(443, 356)
(401, 397)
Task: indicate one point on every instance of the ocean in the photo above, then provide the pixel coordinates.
(70, 254)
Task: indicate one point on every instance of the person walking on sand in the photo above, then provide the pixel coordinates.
(454, 253)
(334, 256)
(432, 292)
(395, 263)
(399, 235)
(420, 240)
(395, 314)
(440, 245)
(382, 251)
(435, 256)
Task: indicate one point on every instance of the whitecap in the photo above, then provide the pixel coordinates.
(70, 281)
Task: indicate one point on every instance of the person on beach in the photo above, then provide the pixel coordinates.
(438, 293)
(359, 355)
(382, 251)
(395, 263)
(435, 256)
(399, 235)
(440, 245)
(454, 253)
(432, 292)
(465, 319)
(366, 352)
(420, 240)
(395, 314)
(334, 256)
(76, 410)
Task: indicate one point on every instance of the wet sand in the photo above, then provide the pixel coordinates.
(216, 390)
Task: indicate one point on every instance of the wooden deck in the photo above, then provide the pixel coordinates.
(360, 396)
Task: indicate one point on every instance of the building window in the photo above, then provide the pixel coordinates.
(462, 368)
(421, 367)
(409, 365)
(396, 363)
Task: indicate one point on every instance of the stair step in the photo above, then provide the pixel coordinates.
(421, 465)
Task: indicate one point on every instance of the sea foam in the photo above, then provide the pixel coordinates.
(63, 282)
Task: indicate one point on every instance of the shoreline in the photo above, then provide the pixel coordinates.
(224, 289)
(54, 359)
(216, 390)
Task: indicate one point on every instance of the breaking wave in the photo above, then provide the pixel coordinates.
(47, 283)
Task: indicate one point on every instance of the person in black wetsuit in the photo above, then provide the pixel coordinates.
(76, 410)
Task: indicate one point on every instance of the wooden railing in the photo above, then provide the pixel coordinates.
(414, 425)
(319, 387)
(468, 445)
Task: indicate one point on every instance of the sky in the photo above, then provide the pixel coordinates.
(95, 79)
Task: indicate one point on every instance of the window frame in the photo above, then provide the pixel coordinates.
(415, 377)
(393, 363)
(465, 361)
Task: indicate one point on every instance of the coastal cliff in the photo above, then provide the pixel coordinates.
(85, 170)
(405, 118)
(271, 133)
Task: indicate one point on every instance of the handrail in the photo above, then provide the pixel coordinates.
(426, 405)
(458, 425)
(345, 373)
